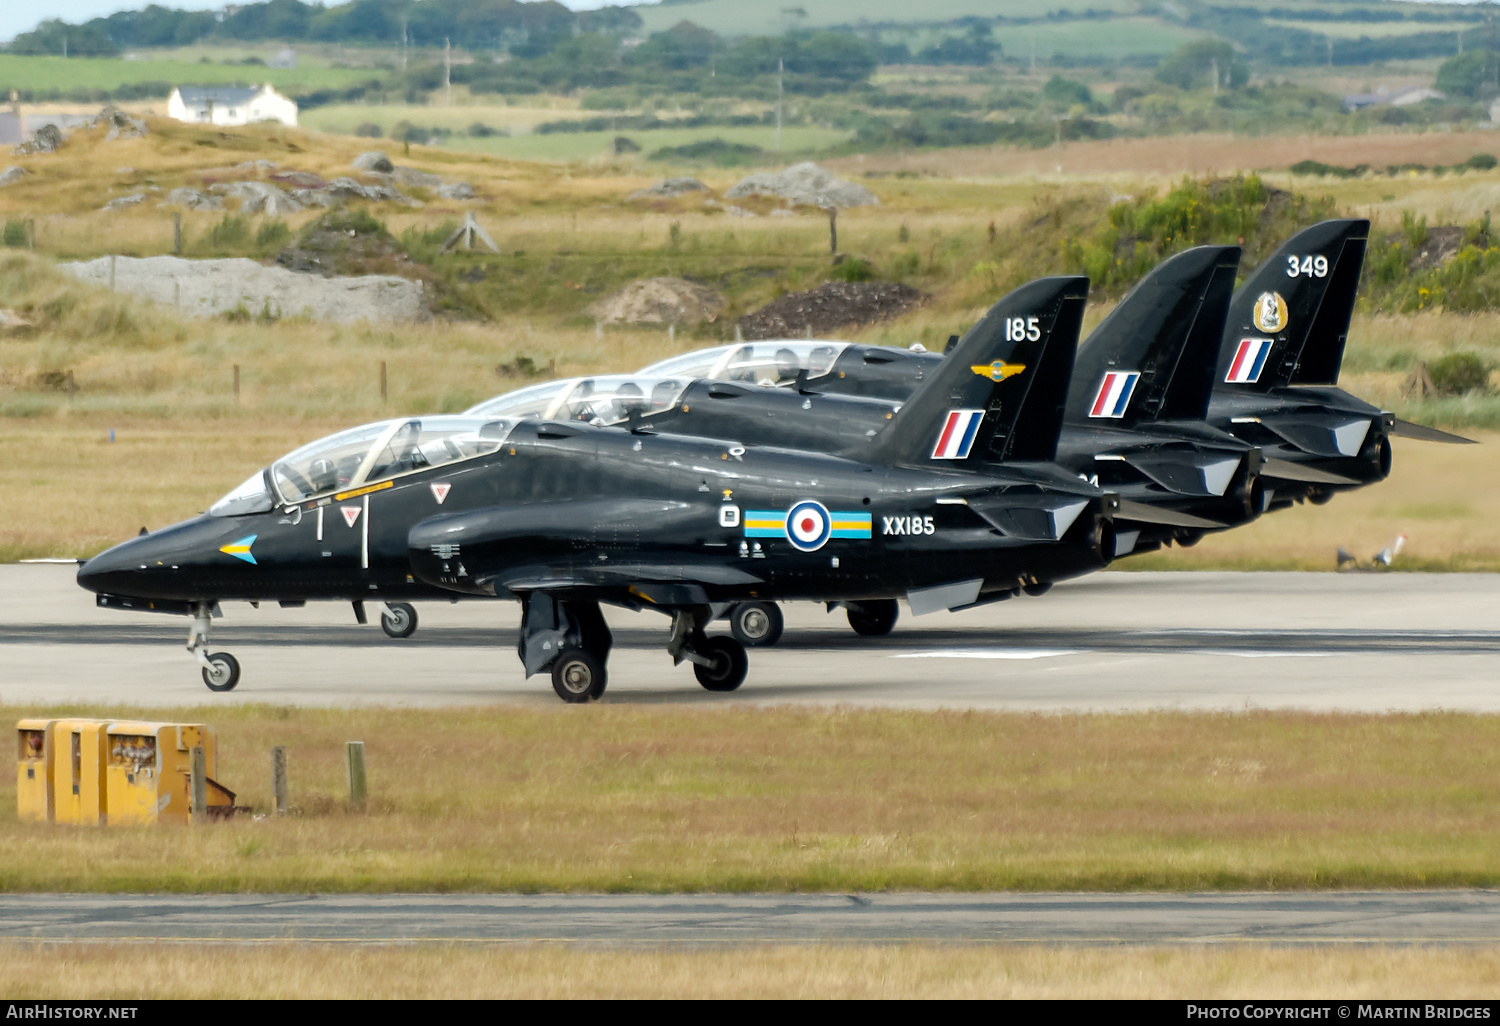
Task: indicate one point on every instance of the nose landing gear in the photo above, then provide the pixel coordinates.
(221, 671)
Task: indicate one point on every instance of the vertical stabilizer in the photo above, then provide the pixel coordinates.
(1288, 323)
(1000, 392)
(1154, 356)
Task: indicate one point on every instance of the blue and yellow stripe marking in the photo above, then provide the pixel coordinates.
(770, 523)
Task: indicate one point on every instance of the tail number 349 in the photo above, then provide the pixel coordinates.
(1307, 266)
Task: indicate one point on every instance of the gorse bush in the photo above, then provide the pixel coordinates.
(231, 231)
(273, 233)
(1459, 374)
(1138, 234)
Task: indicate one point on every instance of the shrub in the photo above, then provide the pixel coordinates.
(273, 233)
(1459, 374)
(231, 231)
(368, 130)
(853, 269)
(479, 130)
(15, 233)
(1480, 162)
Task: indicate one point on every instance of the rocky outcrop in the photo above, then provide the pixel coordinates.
(203, 288)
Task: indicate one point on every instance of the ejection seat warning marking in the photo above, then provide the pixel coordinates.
(351, 513)
(440, 491)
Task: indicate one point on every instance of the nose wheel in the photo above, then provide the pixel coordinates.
(399, 619)
(221, 671)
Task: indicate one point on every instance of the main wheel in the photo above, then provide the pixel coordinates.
(399, 619)
(222, 672)
(756, 624)
(729, 664)
(874, 619)
(578, 676)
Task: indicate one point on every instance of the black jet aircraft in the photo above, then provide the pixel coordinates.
(1278, 369)
(1134, 411)
(563, 516)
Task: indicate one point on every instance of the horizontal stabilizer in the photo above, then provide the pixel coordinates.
(1321, 434)
(1286, 470)
(1144, 514)
(1034, 518)
(1406, 429)
(1188, 473)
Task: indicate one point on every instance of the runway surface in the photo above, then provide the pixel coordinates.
(1365, 642)
(1384, 917)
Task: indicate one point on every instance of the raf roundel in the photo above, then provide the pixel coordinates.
(808, 525)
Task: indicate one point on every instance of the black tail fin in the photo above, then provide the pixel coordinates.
(1153, 357)
(1289, 321)
(1017, 360)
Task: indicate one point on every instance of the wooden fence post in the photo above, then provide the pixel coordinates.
(355, 751)
(198, 774)
(278, 780)
(383, 391)
(177, 233)
(236, 382)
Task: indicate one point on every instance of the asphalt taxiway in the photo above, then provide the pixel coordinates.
(1441, 917)
(1117, 640)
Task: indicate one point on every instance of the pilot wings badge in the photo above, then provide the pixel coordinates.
(997, 371)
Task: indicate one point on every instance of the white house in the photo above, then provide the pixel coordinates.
(230, 105)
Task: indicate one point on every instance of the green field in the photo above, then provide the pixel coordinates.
(45, 73)
(558, 147)
(1473, 31)
(736, 18)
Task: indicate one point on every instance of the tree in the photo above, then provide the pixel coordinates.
(1194, 64)
(681, 47)
(1465, 75)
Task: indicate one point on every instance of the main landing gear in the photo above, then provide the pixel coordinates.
(399, 619)
(873, 619)
(221, 671)
(571, 641)
(756, 624)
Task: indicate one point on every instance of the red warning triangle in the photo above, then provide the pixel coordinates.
(351, 514)
(440, 491)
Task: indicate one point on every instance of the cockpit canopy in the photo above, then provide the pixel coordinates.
(606, 399)
(759, 363)
(359, 456)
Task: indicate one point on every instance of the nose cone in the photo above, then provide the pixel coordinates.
(156, 565)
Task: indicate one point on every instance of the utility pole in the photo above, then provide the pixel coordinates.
(1330, 51)
(780, 67)
(1215, 63)
(447, 72)
(1033, 56)
(403, 44)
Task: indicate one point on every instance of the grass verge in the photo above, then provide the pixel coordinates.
(328, 971)
(608, 799)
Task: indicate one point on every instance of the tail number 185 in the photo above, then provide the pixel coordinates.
(1307, 267)
(1029, 329)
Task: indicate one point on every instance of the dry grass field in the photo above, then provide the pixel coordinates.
(611, 799)
(125, 972)
(164, 383)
